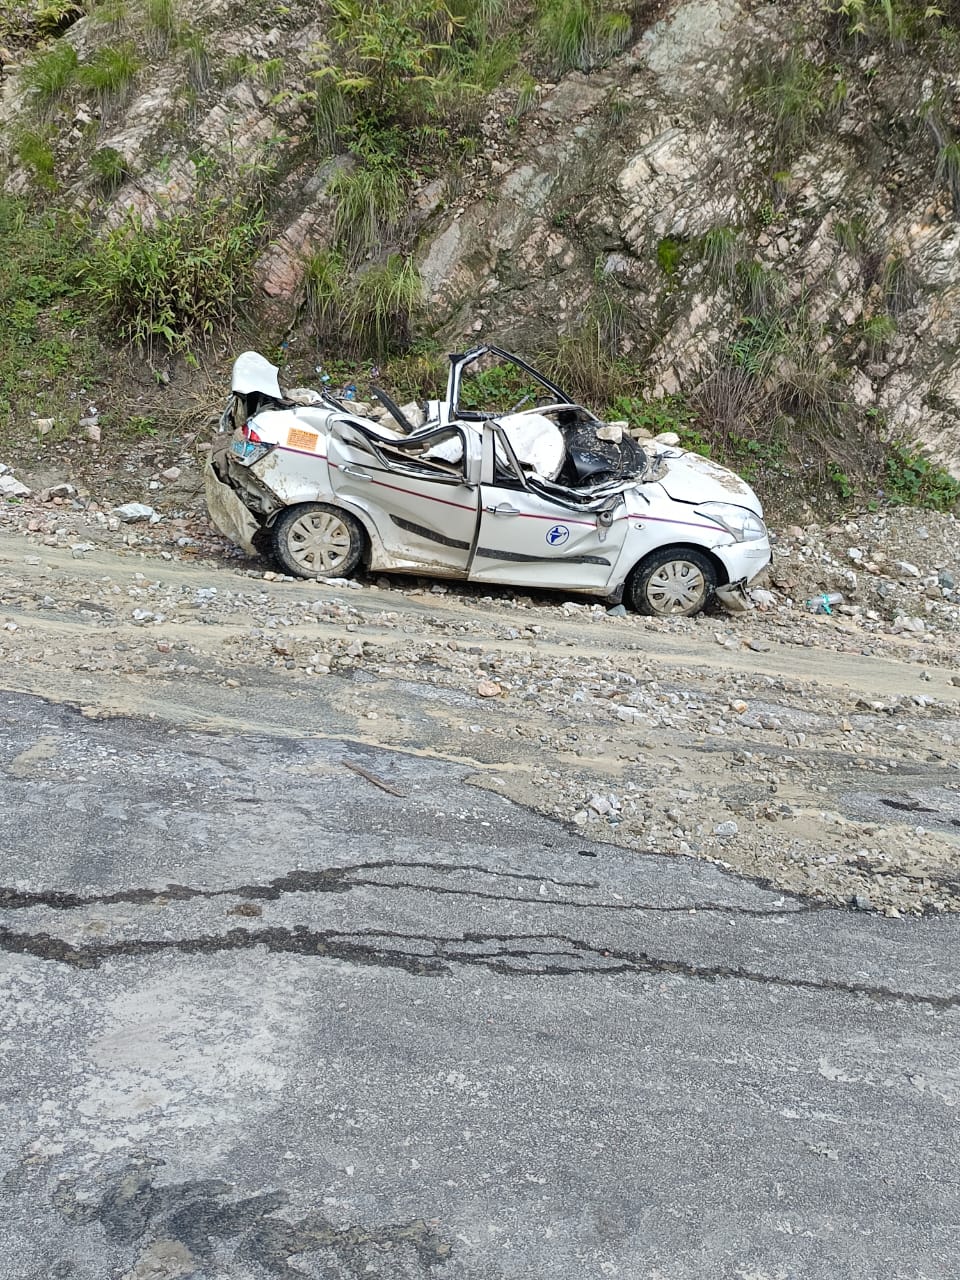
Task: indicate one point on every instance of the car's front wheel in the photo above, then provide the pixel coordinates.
(673, 582)
(317, 541)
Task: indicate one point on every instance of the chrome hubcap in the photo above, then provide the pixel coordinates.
(319, 542)
(676, 587)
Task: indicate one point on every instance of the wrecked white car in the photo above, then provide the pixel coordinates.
(542, 496)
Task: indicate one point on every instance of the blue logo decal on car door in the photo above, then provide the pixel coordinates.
(557, 535)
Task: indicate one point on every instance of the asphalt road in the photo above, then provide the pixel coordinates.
(264, 1015)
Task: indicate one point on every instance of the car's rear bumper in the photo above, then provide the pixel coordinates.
(227, 510)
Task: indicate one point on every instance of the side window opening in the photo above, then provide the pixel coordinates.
(438, 454)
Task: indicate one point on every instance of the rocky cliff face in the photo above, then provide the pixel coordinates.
(750, 214)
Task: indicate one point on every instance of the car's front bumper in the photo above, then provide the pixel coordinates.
(744, 563)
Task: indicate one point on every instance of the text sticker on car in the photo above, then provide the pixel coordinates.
(298, 439)
(557, 535)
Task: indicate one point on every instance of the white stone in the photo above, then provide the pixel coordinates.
(11, 487)
(131, 512)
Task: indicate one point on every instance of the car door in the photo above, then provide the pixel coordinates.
(531, 540)
(420, 493)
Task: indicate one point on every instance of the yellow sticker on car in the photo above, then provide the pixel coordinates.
(298, 439)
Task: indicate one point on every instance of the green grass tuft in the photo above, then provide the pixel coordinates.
(762, 289)
(371, 201)
(51, 75)
(162, 25)
(797, 97)
(325, 282)
(34, 150)
(579, 34)
(878, 332)
(381, 304)
(109, 168)
(197, 57)
(670, 252)
(948, 171)
(721, 250)
(110, 72)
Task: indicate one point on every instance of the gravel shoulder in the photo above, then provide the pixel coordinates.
(817, 754)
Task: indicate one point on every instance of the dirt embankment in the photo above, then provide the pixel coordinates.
(821, 753)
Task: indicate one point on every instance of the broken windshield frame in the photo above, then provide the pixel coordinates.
(460, 362)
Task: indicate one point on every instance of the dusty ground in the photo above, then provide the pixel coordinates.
(816, 753)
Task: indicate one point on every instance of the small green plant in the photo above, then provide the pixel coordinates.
(759, 340)
(138, 427)
(669, 413)
(270, 73)
(239, 66)
(948, 171)
(34, 149)
(618, 109)
(325, 283)
(57, 16)
(899, 285)
(762, 289)
(720, 251)
(50, 75)
(841, 482)
(197, 55)
(496, 386)
(913, 480)
(109, 73)
(110, 169)
(528, 94)
(670, 255)
(781, 181)
(797, 97)
(581, 33)
(894, 21)
(877, 333)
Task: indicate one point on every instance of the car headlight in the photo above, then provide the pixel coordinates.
(739, 522)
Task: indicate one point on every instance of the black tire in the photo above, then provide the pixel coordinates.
(313, 540)
(674, 582)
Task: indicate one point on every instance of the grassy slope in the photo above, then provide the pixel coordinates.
(73, 298)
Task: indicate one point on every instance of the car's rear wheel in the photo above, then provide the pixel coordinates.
(673, 582)
(317, 541)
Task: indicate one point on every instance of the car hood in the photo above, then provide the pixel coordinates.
(688, 477)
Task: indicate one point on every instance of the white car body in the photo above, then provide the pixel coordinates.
(481, 497)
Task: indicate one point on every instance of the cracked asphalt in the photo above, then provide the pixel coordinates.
(287, 1005)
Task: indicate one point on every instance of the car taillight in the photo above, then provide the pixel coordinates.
(249, 434)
